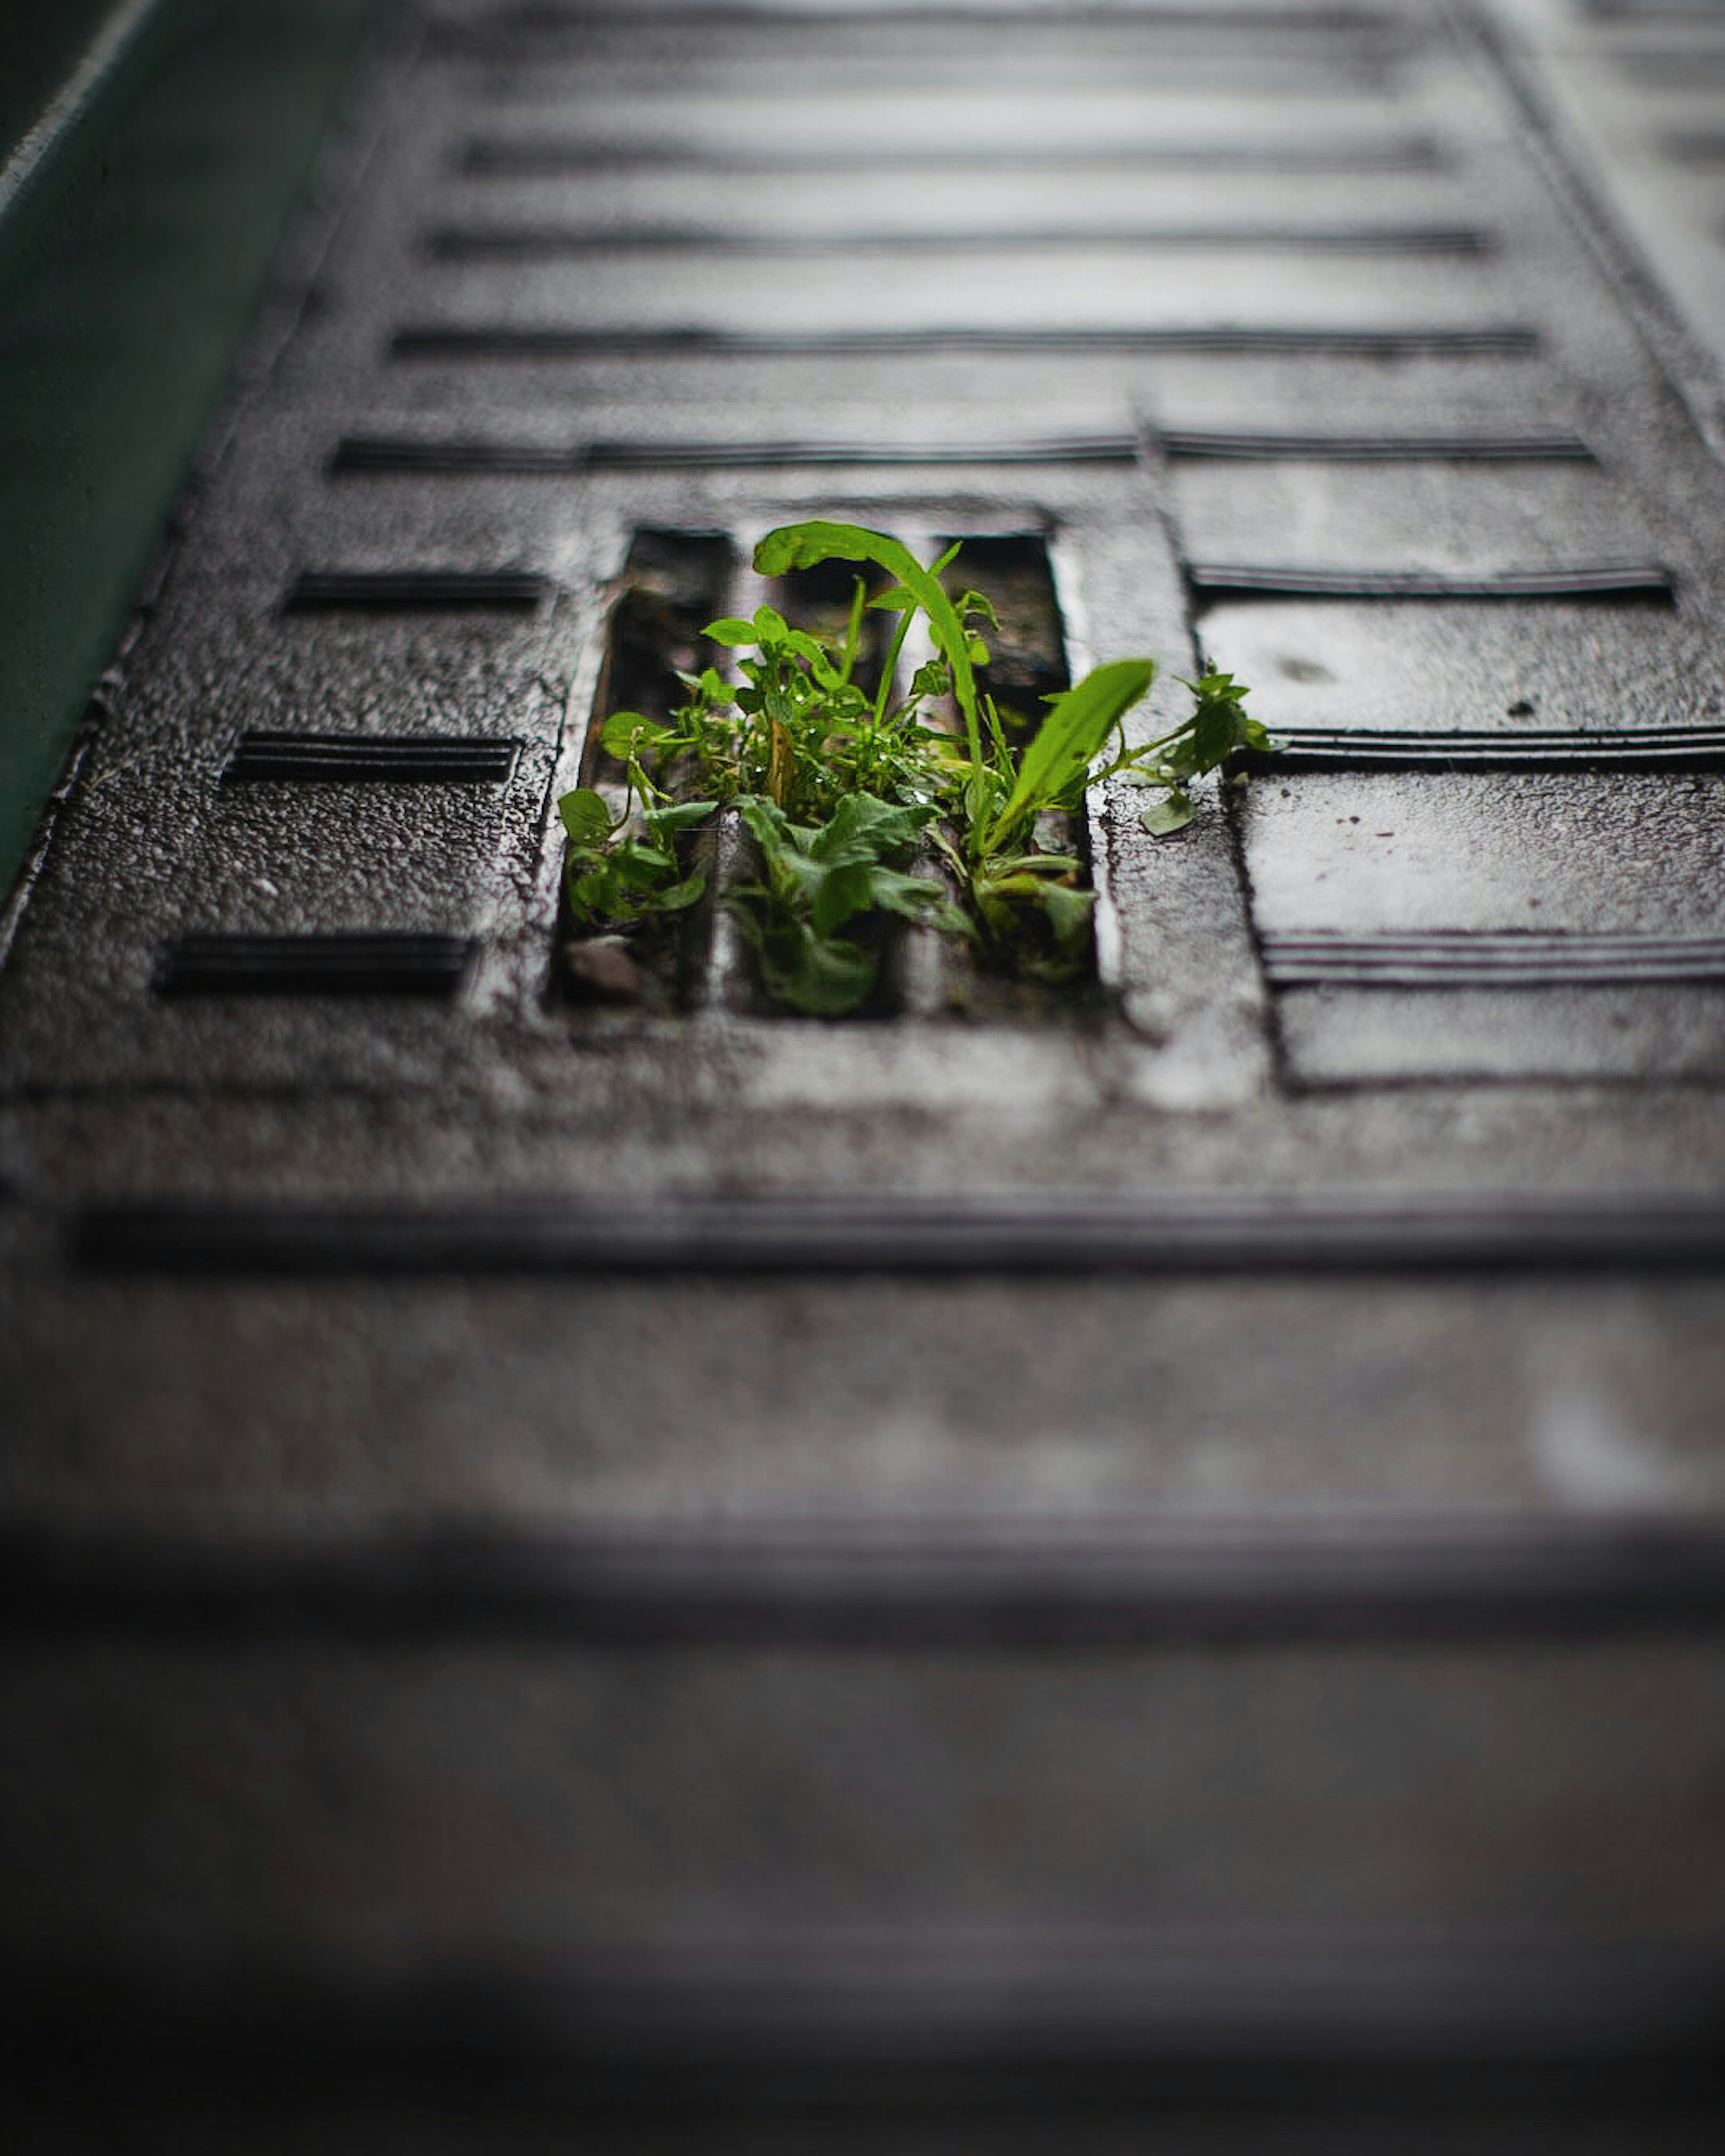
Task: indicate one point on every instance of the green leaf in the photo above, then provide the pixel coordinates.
(1068, 911)
(675, 896)
(664, 824)
(838, 893)
(1066, 742)
(625, 734)
(730, 631)
(1162, 818)
(826, 977)
(864, 829)
(914, 898)
(586, 818)
(1218, 727)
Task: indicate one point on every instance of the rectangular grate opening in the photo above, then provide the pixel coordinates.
(1027, 653)
(261, 756)
(424, 965)
(820, 600)
(416, 591)
(703, 954)
(673, 583)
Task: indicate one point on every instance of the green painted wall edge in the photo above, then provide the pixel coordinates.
(144, 201)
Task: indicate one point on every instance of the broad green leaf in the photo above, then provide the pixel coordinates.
(1068, 740)
(838, 893)
(586, 818)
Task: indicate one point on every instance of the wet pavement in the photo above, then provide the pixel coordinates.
(1154, 1558)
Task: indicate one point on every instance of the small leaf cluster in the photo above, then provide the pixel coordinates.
(847, 794)
(820, 884)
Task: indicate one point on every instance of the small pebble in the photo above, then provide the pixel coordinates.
(601, 971)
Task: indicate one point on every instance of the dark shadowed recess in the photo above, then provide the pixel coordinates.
(131, 267)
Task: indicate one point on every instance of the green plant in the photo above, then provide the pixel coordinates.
(846, 794)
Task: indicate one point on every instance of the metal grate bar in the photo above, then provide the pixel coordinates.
(522, 242)
(525, 157)
(1154, 19)
(1621, 582)
(1535, 445)
(902, 2024)
(1446, 958)
(364, 454)
(1200, 1235)
(477, 341)
(1341, 748)
(261, 756)
(415, 591)
(395, 965)
(982, 1585)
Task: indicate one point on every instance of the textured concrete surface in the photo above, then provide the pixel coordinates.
(229, 1797)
